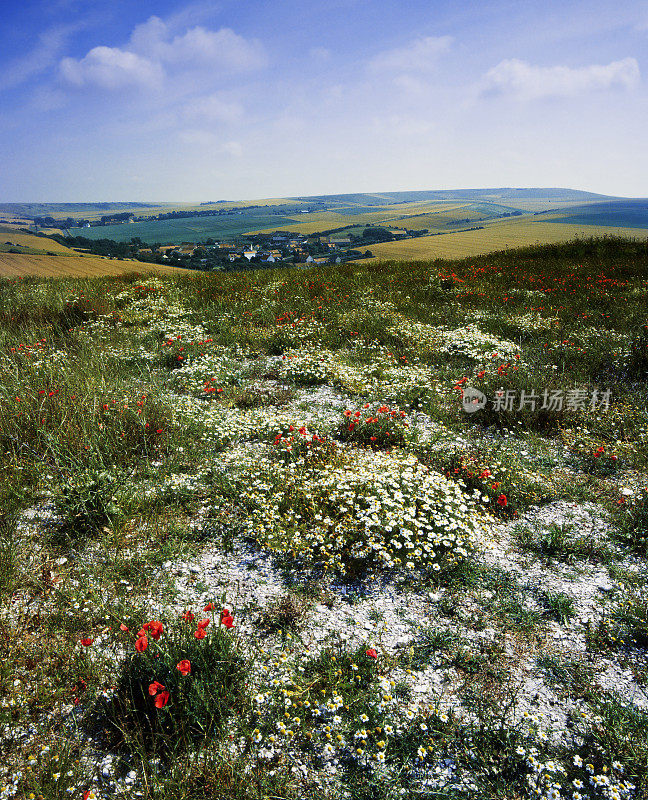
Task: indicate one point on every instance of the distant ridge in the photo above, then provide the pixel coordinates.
(30, 210)
(502, 193)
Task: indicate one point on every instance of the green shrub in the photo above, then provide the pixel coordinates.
(379, 427)
(158, 707)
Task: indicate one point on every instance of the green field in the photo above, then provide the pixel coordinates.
(188, 229)
(621, 213)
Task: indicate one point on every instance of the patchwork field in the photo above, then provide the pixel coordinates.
(261, 538)
(190, 229)
(435, 210)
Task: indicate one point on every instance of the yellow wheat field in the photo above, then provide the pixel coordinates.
(8, 234)
(13, 265)
(498, 235)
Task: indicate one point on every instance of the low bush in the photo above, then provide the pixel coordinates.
(178, 686)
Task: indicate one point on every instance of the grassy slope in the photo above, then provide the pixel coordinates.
(105, 417)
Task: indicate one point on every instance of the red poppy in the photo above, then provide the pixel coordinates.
(188, 616)
(155, 628)
(155, 687)
(123, 628)
(184, 667)
(209, 607)
(162, 699)
(200, 633)
(203, 623)
(227, 620)
(502, 501)
(87, 642)
(141, 644)
(225, 615)
(371, 653)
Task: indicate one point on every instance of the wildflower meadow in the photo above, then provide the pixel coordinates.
(254, 544)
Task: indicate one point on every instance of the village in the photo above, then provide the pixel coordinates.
(253, 251)
(274, 248)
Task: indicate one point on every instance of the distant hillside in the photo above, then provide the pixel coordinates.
(30, 210)
(620, 213)
(456, 194)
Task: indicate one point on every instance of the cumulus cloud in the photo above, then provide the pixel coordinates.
(418, 56)
(198, 45)
(524, 81)
(153, 51)
(111, 68)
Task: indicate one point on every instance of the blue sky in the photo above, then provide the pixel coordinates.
(249, 99)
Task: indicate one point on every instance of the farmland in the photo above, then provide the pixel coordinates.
(14, 236)
(434, 210)
(191, 229)
(23, 265)
(624, 213)
(498, 235)
(255, 543)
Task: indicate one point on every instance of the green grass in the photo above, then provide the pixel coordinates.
(157, 420)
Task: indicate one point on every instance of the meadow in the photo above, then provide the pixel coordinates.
(255, 544)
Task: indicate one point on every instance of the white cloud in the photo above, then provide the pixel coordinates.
(419, 56)
(111, 68)
(45, 54)
(222, 48)
(214, 108)
(153, 51)
(526, 82)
